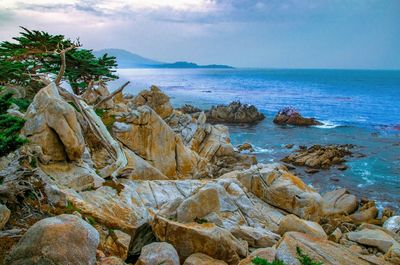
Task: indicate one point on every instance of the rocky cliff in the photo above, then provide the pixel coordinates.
(141, 183)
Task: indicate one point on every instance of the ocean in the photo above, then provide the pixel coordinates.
(360, 107)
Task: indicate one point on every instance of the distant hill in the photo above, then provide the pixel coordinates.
(126, 59)
(190, 65)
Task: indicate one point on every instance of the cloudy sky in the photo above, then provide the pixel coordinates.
(258, 33)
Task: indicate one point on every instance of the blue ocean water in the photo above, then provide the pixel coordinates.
(360, 107)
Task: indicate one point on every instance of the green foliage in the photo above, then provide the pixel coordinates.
(70, 208)
(306, 260)
(37, 52)
(22, 103)
(91, 220)
(261, 261)
(200, 220)
(100, 112)
(303, 259)
(10, 127)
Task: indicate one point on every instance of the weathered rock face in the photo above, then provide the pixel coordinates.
(156, 100)
(235, 112)
(393, 224)
(289, 116)
(293, 223)
(158, 253)
(276, 186)
(319, 157)
(64, 239)
(52, 125)
(245, 147)
(321, 250)
(207, 238)
(393, 255)
(145, 133)
(339, 202)
(256, 237)
(4, 215)
(198, 205)
(264, 253)
(202, 259)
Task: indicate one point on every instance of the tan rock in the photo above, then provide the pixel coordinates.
(366, 214)
(321, 250)
(64, 239)
(117, 244)
(158, 253)
(375, 238)
(336, 235)
(4, 215)
(51, 123)
(155, 99)
(339, 202)
(206, 238)
(202, 259)
(146, 134)
(264, 253)
(198, 205)
(275, 185)
(293, 223)
(256, 237)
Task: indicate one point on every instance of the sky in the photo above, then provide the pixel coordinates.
(357, 34)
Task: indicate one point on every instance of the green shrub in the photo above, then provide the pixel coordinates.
(261, 261)
(10, 126)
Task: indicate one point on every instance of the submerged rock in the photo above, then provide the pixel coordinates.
(245, 147)
(64, 239)
(235, 112)
(290, 116)
(189, 109)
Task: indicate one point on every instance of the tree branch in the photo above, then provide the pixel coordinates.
(63, 64)
(111, 95)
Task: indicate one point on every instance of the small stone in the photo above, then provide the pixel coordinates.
(311, 170)
(4, 215)
(336, 235)
(202, 259)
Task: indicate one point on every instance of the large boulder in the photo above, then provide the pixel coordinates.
(290, 116)
(327, 252)
(318, 156)
(206, 238)
(293, 223)
(146, 134)
(64, 239)
(367, 213)
(158, 253)
(52, 125)
(235, 112)
(275, 185)
(339, 202)
(372, 237)
(155, 99)
(202, 259)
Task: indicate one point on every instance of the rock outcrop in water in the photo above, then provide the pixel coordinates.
(144, 173)
(319, 157)
(290, 116)
(235, 112)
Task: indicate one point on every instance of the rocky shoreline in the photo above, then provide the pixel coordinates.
(135, 181)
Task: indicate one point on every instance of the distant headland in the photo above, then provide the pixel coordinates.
(126, 59)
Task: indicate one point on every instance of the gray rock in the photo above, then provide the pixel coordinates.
(393, 224)
(158, 253)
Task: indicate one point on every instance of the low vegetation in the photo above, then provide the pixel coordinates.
(304, 259)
